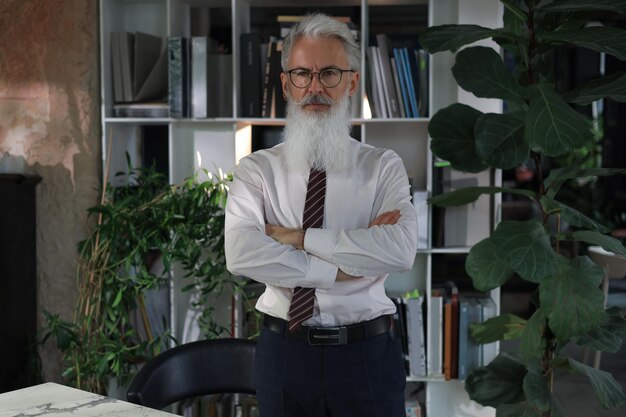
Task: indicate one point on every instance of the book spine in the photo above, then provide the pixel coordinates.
(409, 80)
(415, 333)
(387, 77)
(435, 344)
(396, 83)
(176, 75)
(268, 84)
(463, 338)
(199, 76)
(402, 78)
(251, 79)
(280, 104)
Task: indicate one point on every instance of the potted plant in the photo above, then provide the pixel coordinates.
(136, 223)
(539, 123)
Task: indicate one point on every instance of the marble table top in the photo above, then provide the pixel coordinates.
(56, 400)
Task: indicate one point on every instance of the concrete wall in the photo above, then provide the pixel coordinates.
(49, 126)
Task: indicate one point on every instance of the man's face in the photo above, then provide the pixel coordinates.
(316, 55)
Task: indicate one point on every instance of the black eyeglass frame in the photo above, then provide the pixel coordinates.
(319, 77)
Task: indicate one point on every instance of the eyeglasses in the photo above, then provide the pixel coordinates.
(329, 77)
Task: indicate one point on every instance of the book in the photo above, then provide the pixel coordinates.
(178, 90)
(116, 68)
(250, 74)
(409, 82)
(415, 334)
(434, 358)
(396, 84)
(220, 85)
(279, 102)
(199, 76)
(450, 299)
(384, 49)
(377, 83)
(469, 350)
(399, 331)
(149, 109)
(147, 52)
(400, 69)
(268, 82)
(370, 82)
(139, 67)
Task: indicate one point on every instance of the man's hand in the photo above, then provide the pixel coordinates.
(388, 217)
(293, 237)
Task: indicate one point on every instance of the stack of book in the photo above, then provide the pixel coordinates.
(397, 80)
(451, 352)
(200, 78)
(139, 74)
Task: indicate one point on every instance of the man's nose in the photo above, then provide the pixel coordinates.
(316, 86)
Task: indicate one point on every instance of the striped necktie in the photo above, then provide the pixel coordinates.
(302, 301)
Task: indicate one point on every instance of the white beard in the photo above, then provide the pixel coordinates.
(318, 140)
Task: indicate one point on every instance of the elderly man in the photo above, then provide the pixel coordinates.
(321, 220)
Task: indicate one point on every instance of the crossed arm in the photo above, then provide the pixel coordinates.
(295, 237)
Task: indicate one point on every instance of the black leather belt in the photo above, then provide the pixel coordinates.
(339, 335)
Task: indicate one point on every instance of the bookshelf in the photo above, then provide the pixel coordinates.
(222, 141)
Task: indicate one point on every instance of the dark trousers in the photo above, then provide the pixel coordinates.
(361, 379)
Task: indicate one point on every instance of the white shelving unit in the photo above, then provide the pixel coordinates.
(221, 142)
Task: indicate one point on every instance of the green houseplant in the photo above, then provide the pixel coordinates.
(539, 123)
(138, 222)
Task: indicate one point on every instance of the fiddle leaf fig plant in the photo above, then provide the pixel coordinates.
(539, 122)
(137, 223)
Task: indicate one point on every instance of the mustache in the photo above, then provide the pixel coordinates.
(315, 99)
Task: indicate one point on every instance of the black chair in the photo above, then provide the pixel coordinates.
(194, 369)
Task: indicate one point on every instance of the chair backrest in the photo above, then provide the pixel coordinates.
(194, 369)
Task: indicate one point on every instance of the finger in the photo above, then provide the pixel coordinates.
(388, 217)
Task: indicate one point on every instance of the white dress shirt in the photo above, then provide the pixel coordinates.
(265, 191)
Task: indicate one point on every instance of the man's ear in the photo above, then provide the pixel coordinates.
(283, 81)
(354, 82)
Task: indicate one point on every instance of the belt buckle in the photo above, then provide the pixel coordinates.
(327, 336)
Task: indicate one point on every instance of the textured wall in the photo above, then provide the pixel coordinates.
(49, 126)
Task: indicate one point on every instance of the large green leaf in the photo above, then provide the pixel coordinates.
(608, 391)
(514, 10)
(558, 176)
(526, 248)
(617, 6)
(607, 242)
(607, 39)
(470, 194)
(480, 70)
(572, 299)
(612, 86)
(571, 216)
(537, 391)
(452, 133)
(552, 126)
(503, 327)
(487, 269)
(608, 337)
(498, 383)
(500, 140)
(532, 344)
(452, 37)
(522, 409)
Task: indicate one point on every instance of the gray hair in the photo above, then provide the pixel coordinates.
(319, 25)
